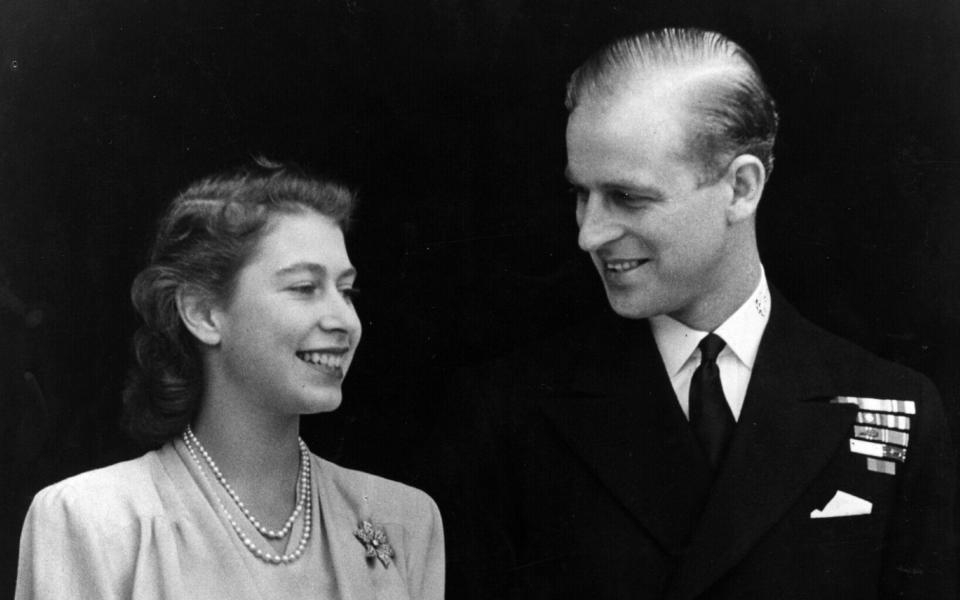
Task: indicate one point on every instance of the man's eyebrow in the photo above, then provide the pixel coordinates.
(616, 184)
(640, 188)
(619, 185)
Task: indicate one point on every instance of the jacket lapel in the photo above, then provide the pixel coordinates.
(782, 441)
(620, 415)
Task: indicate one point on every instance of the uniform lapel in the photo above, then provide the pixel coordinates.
(620, 415)
(781, 442)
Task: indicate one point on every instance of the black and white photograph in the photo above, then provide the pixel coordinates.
(479, 300)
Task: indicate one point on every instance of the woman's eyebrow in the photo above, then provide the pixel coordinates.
(314, 269)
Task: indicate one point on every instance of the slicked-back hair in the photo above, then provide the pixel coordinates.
(204, 238)
(734, 113)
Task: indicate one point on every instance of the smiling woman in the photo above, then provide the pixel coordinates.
(285, 338)
(248, 324)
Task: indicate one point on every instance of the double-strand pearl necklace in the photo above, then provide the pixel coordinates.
(304, 503)
(302, 488)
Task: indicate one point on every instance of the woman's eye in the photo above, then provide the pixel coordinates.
(304, 288)
(350, 294)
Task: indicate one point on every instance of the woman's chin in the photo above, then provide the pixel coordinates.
(323, 402)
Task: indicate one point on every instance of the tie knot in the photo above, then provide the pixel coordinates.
(710, 347)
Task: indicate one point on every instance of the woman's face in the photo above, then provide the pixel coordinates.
(289, 331)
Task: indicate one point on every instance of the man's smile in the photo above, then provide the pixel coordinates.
(623, 265)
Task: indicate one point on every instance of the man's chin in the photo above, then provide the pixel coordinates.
(629, 308)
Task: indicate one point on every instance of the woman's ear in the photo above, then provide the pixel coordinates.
(197, 313)
(747, 178)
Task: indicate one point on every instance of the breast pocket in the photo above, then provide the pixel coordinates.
(843, 529)
(841, 557)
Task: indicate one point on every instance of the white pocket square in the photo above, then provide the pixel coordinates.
(843, 505)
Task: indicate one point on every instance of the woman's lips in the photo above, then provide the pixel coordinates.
(330, 362)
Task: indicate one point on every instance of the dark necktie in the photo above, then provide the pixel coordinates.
(710, 414)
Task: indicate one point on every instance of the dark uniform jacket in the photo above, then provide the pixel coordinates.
(571, 472)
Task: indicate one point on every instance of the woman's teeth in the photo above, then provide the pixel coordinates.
(322, 358)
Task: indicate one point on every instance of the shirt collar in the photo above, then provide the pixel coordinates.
(741, 331)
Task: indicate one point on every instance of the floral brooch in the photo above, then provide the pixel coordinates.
(374, 540)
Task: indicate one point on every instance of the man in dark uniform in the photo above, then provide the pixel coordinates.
(705, 441)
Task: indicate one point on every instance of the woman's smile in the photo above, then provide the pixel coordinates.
(328, 361)
(293, 298)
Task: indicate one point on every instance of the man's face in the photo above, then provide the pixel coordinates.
(659, 239)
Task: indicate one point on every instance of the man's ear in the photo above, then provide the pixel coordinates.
(197, 313)
(747, 177)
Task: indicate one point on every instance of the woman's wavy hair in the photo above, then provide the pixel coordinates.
(205, 237)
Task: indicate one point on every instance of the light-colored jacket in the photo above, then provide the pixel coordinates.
(150, 528)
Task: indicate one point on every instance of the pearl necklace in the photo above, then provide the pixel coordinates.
(302, 488)
(304, 503)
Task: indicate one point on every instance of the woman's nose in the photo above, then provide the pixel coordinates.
(339, 314)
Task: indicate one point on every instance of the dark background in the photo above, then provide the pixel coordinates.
(447, 115)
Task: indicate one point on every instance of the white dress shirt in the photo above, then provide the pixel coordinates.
(741, 332)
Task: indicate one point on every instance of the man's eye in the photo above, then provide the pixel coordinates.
(627, 199)
(577, 193)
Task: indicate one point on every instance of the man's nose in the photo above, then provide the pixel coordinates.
(596, 225)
